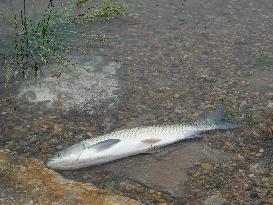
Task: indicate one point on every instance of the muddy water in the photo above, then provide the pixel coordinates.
(165, 62)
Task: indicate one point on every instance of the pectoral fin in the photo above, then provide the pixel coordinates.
(104, 145)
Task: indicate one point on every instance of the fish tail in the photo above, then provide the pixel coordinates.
(215, 121)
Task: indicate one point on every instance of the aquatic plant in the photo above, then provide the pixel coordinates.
(105, 11)
(31, 44)
(36, 43)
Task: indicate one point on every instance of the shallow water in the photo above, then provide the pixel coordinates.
(165, 62)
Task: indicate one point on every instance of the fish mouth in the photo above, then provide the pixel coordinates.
(50, 163)
(54, 164)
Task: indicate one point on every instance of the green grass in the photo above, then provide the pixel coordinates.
(105, 11)
(37, 43)
(31, 44)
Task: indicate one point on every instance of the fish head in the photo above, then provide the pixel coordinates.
(82, 155)
(67, 158)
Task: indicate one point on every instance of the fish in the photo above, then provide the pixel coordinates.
(128, 142)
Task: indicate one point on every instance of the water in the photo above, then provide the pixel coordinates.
(161, 57)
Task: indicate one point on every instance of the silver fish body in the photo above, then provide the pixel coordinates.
(128, 142)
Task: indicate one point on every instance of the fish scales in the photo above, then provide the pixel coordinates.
(123, 143)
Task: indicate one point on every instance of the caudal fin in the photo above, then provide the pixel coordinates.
(216, 120)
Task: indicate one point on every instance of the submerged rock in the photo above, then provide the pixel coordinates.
(28, 181)
(215, 200)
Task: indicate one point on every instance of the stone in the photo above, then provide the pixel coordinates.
(90, 134)
(215, 200)
(151, 191)
(178, 110)
(254, 195)
(256, 168)
(168, 169)
(259, 155)
(270, 105)
(261, 150)
(2, 193)
(206, 166)
(35, 182)
(241, 171)
(243, 103)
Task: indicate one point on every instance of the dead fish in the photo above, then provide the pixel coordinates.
(128, 142)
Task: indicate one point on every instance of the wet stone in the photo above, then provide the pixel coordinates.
(254, 195)
(167, 172)
(215, 200)
(2, 193)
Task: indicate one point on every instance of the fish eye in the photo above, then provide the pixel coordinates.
(58, 154)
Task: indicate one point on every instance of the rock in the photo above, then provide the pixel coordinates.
(270, 105)
(241, 170)
(259, 155)
(89, 134)
(178, 110)
(35, 182)
(57, 129)
(151, 191)
(256, 169)
(215, 200)
(2, 193)
(254, 195)
(176, 95)
(206, 165)
(167, 170)
(243, 103)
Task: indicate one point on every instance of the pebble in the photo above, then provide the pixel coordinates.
(254, 195)
(206, 165)
(215, 200)
(261, 150)
(270, 105)
(176, 95)
(2, 194)
(251, 175)
(151, 191)
(241, 170)
(90, 134)
(140, 189)
(264, 179)
(256, 169)
(243, 103)
(259, 155)
(159, 193)
(3, 113)
(178, 110)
